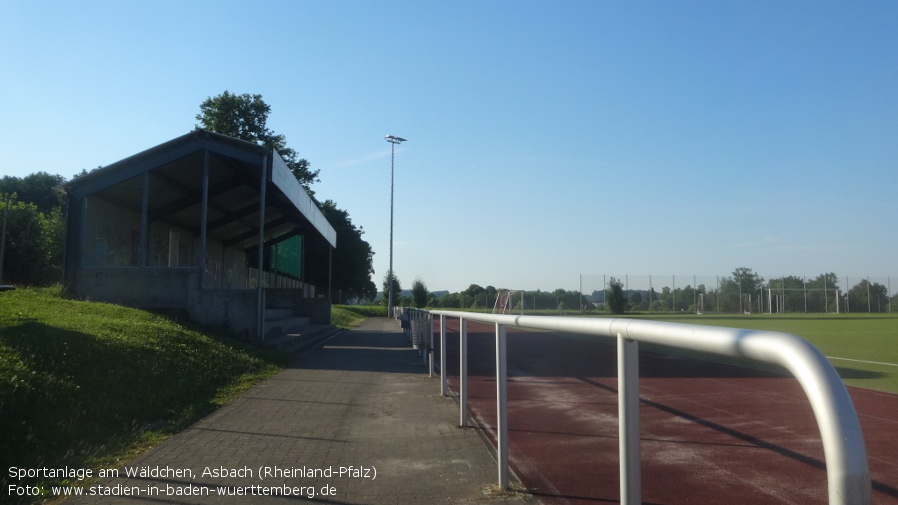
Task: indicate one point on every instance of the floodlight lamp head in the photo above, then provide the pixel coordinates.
(394, 140)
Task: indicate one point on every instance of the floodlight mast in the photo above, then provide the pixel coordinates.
(393, 140)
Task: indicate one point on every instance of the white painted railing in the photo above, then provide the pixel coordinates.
(848, 474)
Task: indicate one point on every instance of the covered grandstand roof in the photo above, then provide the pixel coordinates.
(174, 192)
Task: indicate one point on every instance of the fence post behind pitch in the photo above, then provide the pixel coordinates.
(502, 405)
(463, 372)
(628, 412)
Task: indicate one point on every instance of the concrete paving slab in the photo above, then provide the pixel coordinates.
(354, 421)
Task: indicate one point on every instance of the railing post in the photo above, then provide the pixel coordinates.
(429, 319)
(502, 406)
(443, 373)
(463, 372)
(426, 341)
(628, 413)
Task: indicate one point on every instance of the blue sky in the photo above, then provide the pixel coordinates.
(545, 139)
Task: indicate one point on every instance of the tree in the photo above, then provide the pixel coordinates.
(33, 248)
(36, 188)
(419, 293)
(490, 293)
(867, 297)
(245, 117)
(727, 296)
(666, 298)
(684, 299)
(823, 293)
(451, 301)
(790, 291)
(475, 295)
(34, 228)
(617, 300)
(879, 297)
(352, 258)
(536, 300)
(748, 281)
(636, 300)
(474, 290)
(397, 288)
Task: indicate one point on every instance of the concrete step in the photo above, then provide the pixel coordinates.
(271, 314)
(300, 339)
(284, 324)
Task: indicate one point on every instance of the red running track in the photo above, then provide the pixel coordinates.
(710, 433)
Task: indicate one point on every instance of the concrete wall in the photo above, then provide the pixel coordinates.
(110, 235)
(157, 288)
(225, 267)
(234, 309)
(170, 289)
(318, 309)
(177, 289)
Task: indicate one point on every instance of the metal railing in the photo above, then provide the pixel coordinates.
(417, 325)
(848, 474)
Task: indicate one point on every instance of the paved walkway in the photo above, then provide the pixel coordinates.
(356, 421)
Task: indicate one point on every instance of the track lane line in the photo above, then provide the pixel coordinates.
(863, 361)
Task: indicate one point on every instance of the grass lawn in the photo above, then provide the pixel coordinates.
(862, 347)
(88, 385)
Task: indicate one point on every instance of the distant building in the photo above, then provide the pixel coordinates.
(206, 224)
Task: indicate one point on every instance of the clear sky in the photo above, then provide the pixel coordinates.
(545, 139)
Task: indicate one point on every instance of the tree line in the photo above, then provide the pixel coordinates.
(477, 297)
(744, 291)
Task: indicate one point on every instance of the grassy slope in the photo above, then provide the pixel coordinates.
(84, 384)
(363, 311)
(348, 316)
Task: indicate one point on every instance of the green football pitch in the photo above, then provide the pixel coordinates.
(862, 347)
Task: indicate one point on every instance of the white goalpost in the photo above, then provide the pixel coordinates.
(505, 302)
